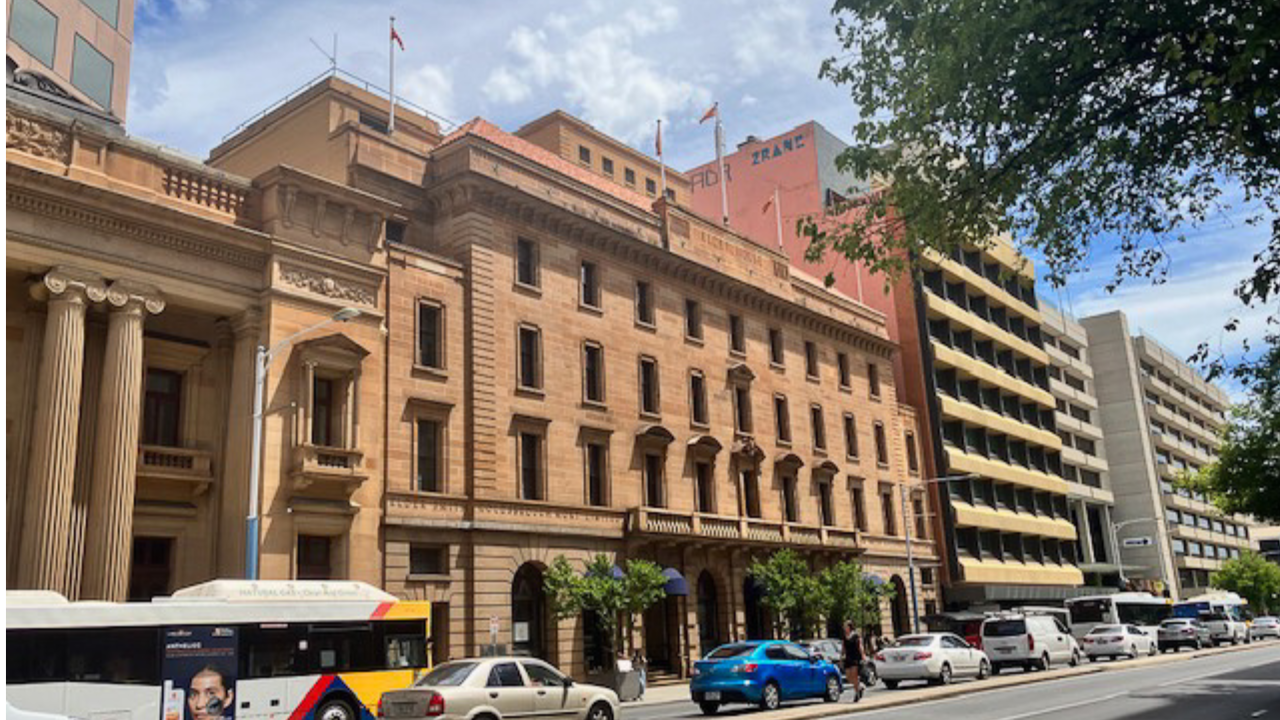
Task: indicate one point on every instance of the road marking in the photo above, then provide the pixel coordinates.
(1068, 706)
(1258, 713)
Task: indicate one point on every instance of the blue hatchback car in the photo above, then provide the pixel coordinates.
(764, 673)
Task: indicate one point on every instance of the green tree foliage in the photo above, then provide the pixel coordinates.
(598, 594)
(1252, 577)
(795, 594)
(854, 596)
(1058, 123)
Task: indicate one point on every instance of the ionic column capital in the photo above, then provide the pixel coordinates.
(247, 323)
(131, 297)
(70, 283)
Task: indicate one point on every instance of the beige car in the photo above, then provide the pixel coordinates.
(496, 689)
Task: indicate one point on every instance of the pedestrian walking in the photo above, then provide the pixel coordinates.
(853, 659)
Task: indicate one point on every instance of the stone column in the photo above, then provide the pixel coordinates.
(109, 532)
(233, 481)
(47, 503)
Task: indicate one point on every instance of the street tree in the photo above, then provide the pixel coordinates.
(603, 595)
(1253, 578)
(1245, 477)
(854, 595)
(1065, 125)
(796, 596)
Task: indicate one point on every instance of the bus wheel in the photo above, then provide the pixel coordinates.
(335, 709)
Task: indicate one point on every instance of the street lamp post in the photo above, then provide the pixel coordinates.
(261, 363)
(1115, 542)
(909, 519)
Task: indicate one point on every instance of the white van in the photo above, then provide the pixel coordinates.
(1029, 641)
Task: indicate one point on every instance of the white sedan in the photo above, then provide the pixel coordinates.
(1113, 641)
(933, 657)
(498, 688)
(1265, 627)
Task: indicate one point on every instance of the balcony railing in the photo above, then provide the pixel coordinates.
(660, 521)
(317, 465)
(182, 465)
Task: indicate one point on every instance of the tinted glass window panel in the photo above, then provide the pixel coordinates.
(34, 29)
(92, 72)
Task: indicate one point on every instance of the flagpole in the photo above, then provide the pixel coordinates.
(391, 51)
(662, 164)
(777, 212)
(724, 180)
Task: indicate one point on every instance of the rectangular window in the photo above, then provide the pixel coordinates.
(886, 510)
(530, 360)
(150, 571)
(776, 355)
(693, 319)
(790, 503)
(527, 263)
(882, 446)
(34, 29)
(584, 154)
(810, 359)
(824, 503)
(850, 435)
(737, 337)
(742, 409)
(428, 560)
(644, 303)
(108, 10)
(782, 419)
(597, 469)
(530, 466)
(698, 413)
(430, 453)
(650, 187)
(590, 285)
(751, 492)
(430, 335)
(859, 507)
(649, 399)
(324, 415)
(917, 507)
(315, 557)
(913, 463)
(842, 365)
(607, 165)
(819, 425)
(162, 408)
(653, 489)
(92, 73)
(593, 372)
(873, 379)
(629, 176)
(706, 487)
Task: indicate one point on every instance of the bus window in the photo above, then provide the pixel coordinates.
(344, 647)
(272, 651)
(1142, 613)
(405, 643)
(1090, 611)
(115, 655)
(36, 656)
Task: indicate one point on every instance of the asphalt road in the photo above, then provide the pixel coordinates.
(1233, 686)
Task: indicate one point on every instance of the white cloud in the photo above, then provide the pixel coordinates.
(431, 87)
(505, 86)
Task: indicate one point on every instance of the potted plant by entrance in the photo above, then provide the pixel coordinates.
(602, 595)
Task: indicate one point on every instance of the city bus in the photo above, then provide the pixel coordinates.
(1125, 608)
(1224, 603)
(221, 649)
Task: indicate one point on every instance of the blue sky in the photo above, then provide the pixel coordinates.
(201, 67)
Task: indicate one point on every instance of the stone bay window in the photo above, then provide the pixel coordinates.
(327, 447)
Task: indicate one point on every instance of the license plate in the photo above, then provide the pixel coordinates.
(1004, 650)
(713, 695)
(403, 709)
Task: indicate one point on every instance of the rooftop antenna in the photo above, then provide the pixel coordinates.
(333, 59)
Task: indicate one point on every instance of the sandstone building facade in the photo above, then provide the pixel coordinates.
(544, 362)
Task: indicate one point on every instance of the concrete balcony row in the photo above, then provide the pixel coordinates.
(987, 518)
(1061, 389)
(1171, 418)
(1058, 357)
(1151, 382)
(995, 375)
(985, 328)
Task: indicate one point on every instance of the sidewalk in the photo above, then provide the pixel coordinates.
(679, 692)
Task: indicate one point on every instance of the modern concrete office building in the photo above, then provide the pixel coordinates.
(82, 46)
(1159, 418)
(1084, 453)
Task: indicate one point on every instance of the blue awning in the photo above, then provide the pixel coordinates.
(615, 571)
(873, 578)
(676, 584)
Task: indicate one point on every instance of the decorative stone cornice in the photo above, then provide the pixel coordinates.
(316, 281)
(126, 293)
(70, 282)
(26, 135)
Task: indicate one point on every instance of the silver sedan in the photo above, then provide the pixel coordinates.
(498, 688)
(933, 657)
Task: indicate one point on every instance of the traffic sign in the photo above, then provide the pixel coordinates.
(1136, 542)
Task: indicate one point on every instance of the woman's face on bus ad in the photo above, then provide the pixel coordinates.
(208, 696)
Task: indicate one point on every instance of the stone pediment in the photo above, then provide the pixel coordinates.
(335, 344)
(314, 211)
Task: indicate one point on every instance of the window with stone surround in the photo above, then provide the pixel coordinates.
(429, 455)
(818, 425)
(428, 559)
(650, 397)
(742, 409)
(850, 436)
(913, 462)
(704, 491)
(162, 408)
(790, 501)
(314, 558)
(654, 480)
(531, 468)
(917, 508)
(597, 470)
(886, 510)
(589, 287)
(650, 187)
(750, 478)
(882, 445)
(811, 359)
(527, 266)
(529, 362)
(858, 498)
(782, 419)
(873, 380)
(593, 384)
(824, 502)
(644, 304)
(842, 366)
(431, 334)
(777, 353)
(692, 319)
(606, 164)
(698, 412)
(737, 335)
(584, 154)
(629, 177)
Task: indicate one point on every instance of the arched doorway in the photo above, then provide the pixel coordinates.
(708, 613)
(759, 625)
(528, 613)
(898, 608)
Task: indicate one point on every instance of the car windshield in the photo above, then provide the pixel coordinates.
(730, 651)
(1004, 628)
(1174, 623)
(448, 675)
(1212, 616)
(1103, 629)
(914, 641)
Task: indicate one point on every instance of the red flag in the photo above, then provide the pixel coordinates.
(712, 112)
(767, 204)
(657, 140)
(396, 37)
